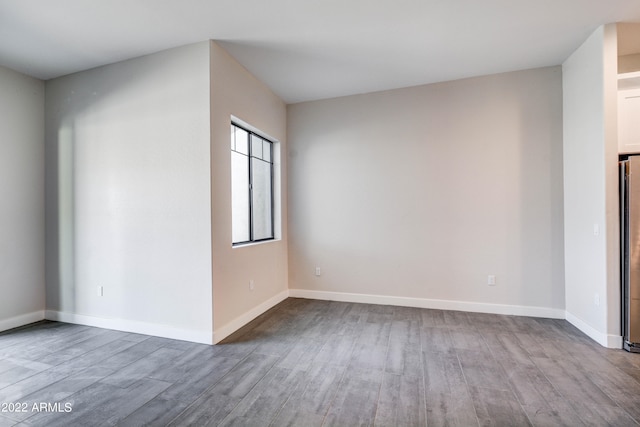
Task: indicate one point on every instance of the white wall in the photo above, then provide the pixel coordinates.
(419, 194)
(22, 196)
(128, 195)
(590, 187)
(235, 92)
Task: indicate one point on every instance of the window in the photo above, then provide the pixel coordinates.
(251, 186)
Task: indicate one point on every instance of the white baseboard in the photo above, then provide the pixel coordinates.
(221, 333)
(605, 340)
(204, 337)
(517, 310)
(21, 320)
(614, 341)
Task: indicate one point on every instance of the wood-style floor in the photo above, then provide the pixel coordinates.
(313, 363)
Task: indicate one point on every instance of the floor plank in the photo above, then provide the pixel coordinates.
(401, 401)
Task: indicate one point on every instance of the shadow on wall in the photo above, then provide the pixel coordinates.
(77, 115)
(63, 296)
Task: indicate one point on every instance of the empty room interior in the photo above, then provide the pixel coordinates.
(318, 213)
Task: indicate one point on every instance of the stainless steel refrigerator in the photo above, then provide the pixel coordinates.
(630, 251)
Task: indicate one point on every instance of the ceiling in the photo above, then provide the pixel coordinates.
(310, 49)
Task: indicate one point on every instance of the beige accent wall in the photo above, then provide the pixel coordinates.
(236, 93)
(423, 192)
(629, 63)
(21, 199)
(628, 38)
(628, 47)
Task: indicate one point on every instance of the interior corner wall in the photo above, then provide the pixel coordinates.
(22, 196)
(128, 195)
(237, 93)
(590, 188)
(415, 196)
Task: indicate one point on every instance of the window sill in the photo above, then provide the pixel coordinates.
(264, 242)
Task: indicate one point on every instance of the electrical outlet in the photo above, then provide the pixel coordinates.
(317, 271)
(491, 280)
(252, 285)
(596, 300)
(100, 291)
